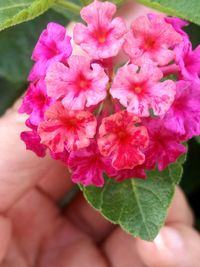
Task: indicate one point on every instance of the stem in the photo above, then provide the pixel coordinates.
(69, 6)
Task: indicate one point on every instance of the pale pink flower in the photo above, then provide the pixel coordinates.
(35, 102)
(123, 139)
(164, 146)
(102, 37)
(183, 118)
(151, 38)
(52, 46)
(140, 90)
(88, 166)
(66, 129)
(79, 84)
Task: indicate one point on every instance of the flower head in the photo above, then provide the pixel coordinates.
(140, 90)
(66, 129)
(123, 139)
(52, 46)
(151, 37)
(35, 102)
(79, 84)
(102, 37)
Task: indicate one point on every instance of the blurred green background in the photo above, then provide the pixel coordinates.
(16, 45)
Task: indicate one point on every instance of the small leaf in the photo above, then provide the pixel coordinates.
(138, 206)
(189, 10)
(13, 12)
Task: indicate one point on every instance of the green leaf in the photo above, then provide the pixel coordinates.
(189, 10)
(9, 92)
(13, 12)
(138, 206)
(197, 138)
(17, 43)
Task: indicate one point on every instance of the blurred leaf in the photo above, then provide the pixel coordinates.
(197, 138)
(138, 206)
(194, 32)
(9, 92)
(17, 44)
(189, 10)
(13, 12)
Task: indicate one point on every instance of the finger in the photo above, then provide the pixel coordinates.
(175, 246)
(81, 214)
(180, 211)
(20, 170)
(120, 248)
(5, 236)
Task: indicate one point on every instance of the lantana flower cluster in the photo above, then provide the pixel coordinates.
(100, 115)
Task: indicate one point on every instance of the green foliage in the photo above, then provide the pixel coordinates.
(189, 10)
(138, 206)
(17, 43)
(13, 12)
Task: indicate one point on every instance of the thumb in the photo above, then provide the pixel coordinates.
(176, 245)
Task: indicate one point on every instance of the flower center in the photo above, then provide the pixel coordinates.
(149, 44)
(83, 82)
(138, 89)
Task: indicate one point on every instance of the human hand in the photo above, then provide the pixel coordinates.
(34, 231)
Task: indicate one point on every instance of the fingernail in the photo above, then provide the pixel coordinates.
(168, 238)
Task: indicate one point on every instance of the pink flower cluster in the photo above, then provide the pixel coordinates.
(100, 117)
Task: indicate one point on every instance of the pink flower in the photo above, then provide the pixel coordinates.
(35, 102)
(32, 141)
(52, 46)
(188, 60)
(183, 118)
(178, 24)
(153, 38)
(164, 146)
(102, 37)
(140, 89)
(66, 129)
(79, 85)
(123, 139)
(88, 166)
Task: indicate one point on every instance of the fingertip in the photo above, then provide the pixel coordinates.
(177, 246)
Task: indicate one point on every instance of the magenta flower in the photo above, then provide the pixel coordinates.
(151, 37)
(33, 141)
(140, 90)
(188, 60)
(121, 138)
(88, 166)
(183, 118)
(164, 146)
(102, 37)
(52, 46)
(66, 129)
(35, 102)
(79, 85)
